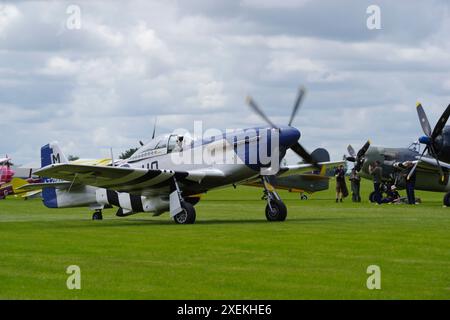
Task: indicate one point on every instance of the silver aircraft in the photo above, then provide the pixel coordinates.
(156, 178)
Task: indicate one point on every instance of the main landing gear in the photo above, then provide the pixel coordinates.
(97, 215)
(447, 199)
(187, 214)
(275, 209)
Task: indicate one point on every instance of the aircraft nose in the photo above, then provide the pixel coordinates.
(425, 140)
(289, 136)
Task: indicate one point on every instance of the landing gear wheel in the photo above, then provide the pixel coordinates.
(278, 212)
(97, 215)
(372, 196)
(303, 197)
(187, 216)
(447, 199)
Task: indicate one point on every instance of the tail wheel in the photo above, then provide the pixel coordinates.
(277, 211)
(187, 216)
(97, 215)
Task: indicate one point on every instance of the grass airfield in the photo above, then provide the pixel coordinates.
(322, 251)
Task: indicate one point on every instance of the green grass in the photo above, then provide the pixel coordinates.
(321, 252)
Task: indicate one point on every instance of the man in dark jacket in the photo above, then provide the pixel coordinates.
(377, 172)
(410, 183)
(341, 188)
(355, 180)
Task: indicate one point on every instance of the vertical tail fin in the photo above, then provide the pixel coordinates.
(51, 154)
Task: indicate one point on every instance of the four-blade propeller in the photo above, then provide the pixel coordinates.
(297, 147)
(430, 138)
(358, 158)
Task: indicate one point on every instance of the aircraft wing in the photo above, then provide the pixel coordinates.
(29, 194)
(122, 178)
(307, 168)
(430, 165)
(4, 160)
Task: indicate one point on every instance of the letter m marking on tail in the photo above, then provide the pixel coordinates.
(56, 159)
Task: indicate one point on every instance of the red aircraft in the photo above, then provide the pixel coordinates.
(6, 175)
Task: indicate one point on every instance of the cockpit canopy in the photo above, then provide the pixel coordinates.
(160, 145)
(415, 146)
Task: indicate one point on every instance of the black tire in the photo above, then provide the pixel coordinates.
(304, 197)
(97, 216)
(278, 211)
(372, 196)
(187, 216)
(192, 200)
(447, 199)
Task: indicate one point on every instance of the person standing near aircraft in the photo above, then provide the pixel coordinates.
(355, 180)
(410, 182)
(341, 188)
(377, 172)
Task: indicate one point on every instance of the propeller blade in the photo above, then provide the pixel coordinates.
(424, 120)
(415, 165)
(258, 110)
(351, 151)
(433, 153)
(154, 128)
(441, 123)
(351, 159)
(359, 164)
(297, 104)
(300, 151)
(363, 150)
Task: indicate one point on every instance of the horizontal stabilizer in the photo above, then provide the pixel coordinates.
(39, 186)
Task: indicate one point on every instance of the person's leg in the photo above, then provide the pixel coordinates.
(338, 191)
(358, 196)
(413, 195)
(408, 193)
(354, 195)
(377, 192)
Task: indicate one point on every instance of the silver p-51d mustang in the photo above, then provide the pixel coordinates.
(166, 175)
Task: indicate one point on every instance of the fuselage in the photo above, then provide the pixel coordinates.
(216, 161)
(240, 155)
(6, 174)
(429, 181)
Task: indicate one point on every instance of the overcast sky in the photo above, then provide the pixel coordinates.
(101, 85)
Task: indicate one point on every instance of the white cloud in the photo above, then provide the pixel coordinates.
(8, 14)
(197, 60)
(61, 66)
(270, 4)
(148, 41)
